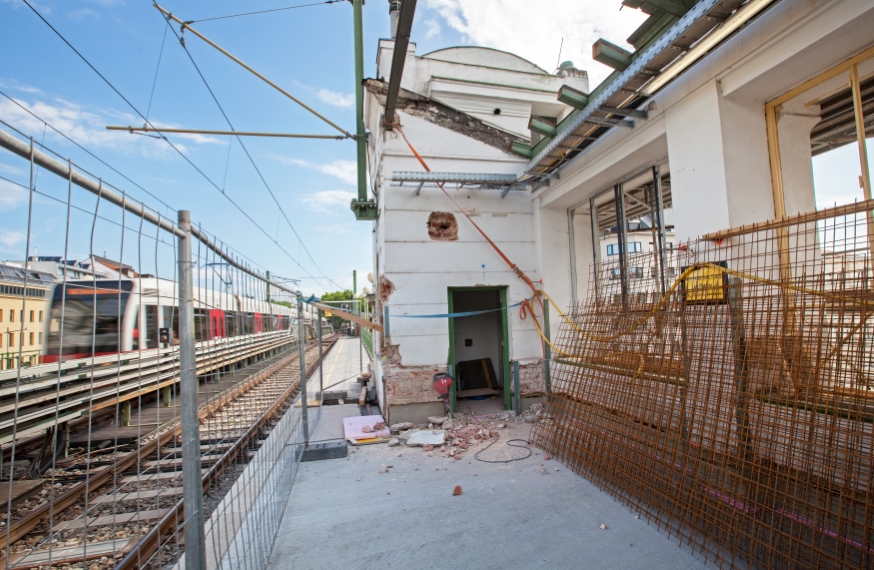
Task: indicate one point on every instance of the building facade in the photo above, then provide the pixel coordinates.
(684, 136)
(23, 313)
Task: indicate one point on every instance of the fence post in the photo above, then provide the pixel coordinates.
(321, 375)
(195, 543)
(301, 346)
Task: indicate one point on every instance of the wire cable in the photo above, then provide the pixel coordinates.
(245, 150)
(266, 11)
(157, 130)
(91, 154)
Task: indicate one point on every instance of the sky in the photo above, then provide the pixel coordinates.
(305, 230)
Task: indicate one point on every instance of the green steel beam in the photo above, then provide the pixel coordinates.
(541, 128)
(672, 7)
(522, 149)
(573, 97)
(611, 55)
(364, 209)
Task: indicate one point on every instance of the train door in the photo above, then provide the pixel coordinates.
(258, 322)
(217, 324)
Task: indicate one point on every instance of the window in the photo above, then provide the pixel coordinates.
(1, 315)
(635, 272)
(11, 316)
(40, 316)
(31, 339)
(40, 338)
(31, 316)
(632, 247)
(11, 340)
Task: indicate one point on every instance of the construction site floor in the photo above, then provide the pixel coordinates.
(344, 513)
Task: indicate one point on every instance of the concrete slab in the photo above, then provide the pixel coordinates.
(360, 513)
(330, 425)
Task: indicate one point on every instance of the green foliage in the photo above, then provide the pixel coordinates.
(283, 303)
(338, 296)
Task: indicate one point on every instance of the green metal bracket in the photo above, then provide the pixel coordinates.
(611, 55)
(364, 209)
(541, 128)
(573, 97)
(522, 149)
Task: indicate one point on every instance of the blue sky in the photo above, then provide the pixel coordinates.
(309, 52)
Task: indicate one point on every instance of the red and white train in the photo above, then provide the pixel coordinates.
(95, 318)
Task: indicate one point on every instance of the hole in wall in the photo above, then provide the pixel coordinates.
(442, 226)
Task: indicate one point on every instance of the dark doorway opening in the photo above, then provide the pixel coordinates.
(478, 345)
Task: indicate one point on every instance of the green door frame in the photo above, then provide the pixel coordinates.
(505, 334)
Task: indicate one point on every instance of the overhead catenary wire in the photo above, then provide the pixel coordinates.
(81, 147)
(265, 11)
(245, 150)
(174, 147)
(248, 68)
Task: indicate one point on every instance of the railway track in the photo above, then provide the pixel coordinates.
(118, 507)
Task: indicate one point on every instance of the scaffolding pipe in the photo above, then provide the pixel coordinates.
(66, 171)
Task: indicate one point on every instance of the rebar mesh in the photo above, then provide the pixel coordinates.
(736, 410)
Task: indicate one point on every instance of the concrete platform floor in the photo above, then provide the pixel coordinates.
(343, 513)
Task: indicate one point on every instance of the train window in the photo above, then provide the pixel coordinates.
(231, 323)
(152, 327)
(201, 324)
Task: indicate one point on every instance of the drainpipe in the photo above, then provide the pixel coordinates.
(364, 209)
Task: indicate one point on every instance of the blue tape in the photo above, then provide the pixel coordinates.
(454, 315)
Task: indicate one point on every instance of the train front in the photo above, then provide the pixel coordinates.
(91, 318)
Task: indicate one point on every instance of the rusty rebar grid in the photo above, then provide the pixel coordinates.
(736, 412)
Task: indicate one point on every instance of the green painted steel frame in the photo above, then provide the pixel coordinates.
(505, 340)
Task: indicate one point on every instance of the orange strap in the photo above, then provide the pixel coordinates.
(526, 306)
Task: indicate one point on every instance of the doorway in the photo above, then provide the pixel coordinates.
(479, 346)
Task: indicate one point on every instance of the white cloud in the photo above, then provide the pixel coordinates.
(10, 238)
(345, 170)
(11, 195)
(329, 201)
(432, 29)
(88, 127)
(82, 13)
(7, 169)
(510, 24)
(336, 99)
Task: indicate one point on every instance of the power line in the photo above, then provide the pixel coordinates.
(188, 160)
(103, 162)
(246, 150)
(265, 11)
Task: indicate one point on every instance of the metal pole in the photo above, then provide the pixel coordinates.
(360, 343)
(354, 283)
(546, 378)
(573, 253)
(659, 211)
(516, 399)
(596, 243)
(865, 179)
(321, 362)
(301, 342)
(360, 139)
(622, 238)
(163, 130)
(195, 543)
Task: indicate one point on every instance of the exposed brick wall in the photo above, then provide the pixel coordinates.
(409, 384)
(531, 379)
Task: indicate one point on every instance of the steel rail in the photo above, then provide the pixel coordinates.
(101, 476)
(146, 546)
(146, 129)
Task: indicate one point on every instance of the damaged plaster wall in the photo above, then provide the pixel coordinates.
(442, 226)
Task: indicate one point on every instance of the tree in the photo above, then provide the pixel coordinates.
(337, 296)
